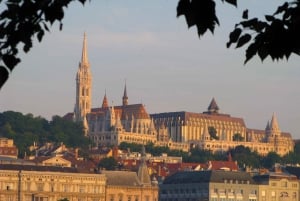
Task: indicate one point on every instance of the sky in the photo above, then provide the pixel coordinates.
(165, 65)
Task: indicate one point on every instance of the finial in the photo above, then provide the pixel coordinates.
(84, 57)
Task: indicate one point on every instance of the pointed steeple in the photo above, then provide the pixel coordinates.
(83, 86)
(105, 101)
(84, 56)
(274, 125)
(268, 126)
(213, 107)
(125, 97)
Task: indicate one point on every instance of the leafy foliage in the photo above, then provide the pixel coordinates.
(276, 36)
(237, 137)
(26, 129)
(213, 133)
(108, 163)
(22, 21)
(202, 14)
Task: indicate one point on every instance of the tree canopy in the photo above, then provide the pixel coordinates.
(26, 129)
(276, 36)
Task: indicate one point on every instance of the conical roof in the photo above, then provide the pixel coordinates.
(213, 107)
(105, 101)
(274, 124)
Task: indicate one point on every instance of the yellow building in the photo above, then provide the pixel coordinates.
(50, 183)
(41, 183)
(277, 186)
(110, 125)
(7, 148)
(209, 186)
(212, 130)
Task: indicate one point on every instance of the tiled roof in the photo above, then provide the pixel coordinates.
(121, 178)
(37, 168)
(187, 116)
(213, 106)
(208, 176)
(138, 111)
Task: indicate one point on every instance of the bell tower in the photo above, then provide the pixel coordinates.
(83, 86)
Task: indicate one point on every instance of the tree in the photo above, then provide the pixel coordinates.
(26, 129)
(276, 36)
(22, 21)
(213, 132)
(237, 137)
(108, 163)
(270, 160)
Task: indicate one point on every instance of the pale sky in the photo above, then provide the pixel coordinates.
(165, 65)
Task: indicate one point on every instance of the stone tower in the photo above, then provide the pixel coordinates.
(83, 86)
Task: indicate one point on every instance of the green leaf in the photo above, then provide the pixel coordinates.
(234, 35)
(250, 52)
(10, 61)
(4, 74)
(245, 14)
(262, 53)
(40, 35)
(243, 40)
(233, 2)
(183, 7)
(269, 18)
(282, 8)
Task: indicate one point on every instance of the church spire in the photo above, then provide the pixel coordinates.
(105, 101)
(125, 97)
(84, 57)
(83, 86)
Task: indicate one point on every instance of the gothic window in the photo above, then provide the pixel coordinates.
(87, 92)
(82, 92)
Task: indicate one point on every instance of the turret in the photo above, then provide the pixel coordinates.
(125, 97)
(213, 108)
(105, 101)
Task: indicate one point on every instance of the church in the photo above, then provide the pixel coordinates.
(109, 125)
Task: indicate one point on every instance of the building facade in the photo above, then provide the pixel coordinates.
(7, 148)
(37, 183)
(209, 186)
(210, 130)
(277, 186)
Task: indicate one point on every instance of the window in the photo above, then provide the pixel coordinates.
(40, 186)
(41, 199)
(65, 188)
(111, 197)
(81, 189)
(284, 184)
